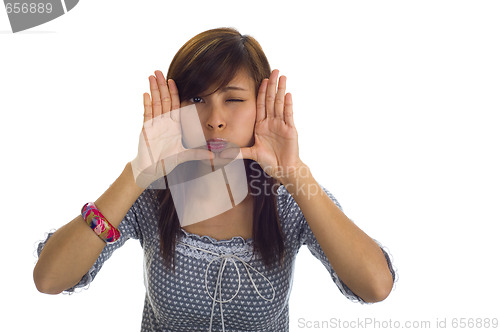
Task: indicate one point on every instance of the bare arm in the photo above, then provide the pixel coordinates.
(73, 249)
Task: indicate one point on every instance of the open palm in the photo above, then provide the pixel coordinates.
(276, 141)
(160, 143)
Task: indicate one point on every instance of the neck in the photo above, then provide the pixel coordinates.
(203, 192)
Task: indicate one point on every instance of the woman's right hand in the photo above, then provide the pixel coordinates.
(160, 142)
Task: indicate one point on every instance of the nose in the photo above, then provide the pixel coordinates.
(215, 121)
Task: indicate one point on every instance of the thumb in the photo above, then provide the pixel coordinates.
(195, 154)
(238, 153)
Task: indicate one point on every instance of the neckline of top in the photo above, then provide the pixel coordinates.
(207, 238)
(233, 240)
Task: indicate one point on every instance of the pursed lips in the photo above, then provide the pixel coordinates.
(216, 144)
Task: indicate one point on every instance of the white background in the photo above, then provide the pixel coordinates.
(396, 105)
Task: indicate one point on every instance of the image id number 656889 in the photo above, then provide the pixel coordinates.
(478, 323)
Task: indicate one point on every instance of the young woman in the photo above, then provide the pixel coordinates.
(231, 268)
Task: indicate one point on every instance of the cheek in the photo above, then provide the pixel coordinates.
(247, 119)
(191, 127)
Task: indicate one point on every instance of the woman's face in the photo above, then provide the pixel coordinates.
(227, 116)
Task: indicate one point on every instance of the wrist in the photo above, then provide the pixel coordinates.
(294, 175)
(130, 181)
(302, 185)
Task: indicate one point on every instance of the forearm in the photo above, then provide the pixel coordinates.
(73, 249)
(356, 258)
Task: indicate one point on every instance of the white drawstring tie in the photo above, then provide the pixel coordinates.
(224, 258)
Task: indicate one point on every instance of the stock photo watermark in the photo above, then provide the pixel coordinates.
(295, 185)
(27, 14)
(334, 323)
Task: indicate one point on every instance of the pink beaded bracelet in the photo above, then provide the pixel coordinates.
(99, 224)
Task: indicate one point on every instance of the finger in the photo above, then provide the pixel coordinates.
(271, 93)
(148, 110)
(155, 94)
(279, 103)
(176, 104)
(174, 94)
(261, 101)
(243, 153)
(164, 93)
(289, 110)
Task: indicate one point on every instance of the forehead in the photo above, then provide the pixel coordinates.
(242, 78)
(241, 82)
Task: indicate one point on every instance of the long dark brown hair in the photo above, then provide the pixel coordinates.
(211, 59)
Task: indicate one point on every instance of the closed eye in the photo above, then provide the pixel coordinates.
(235, 100)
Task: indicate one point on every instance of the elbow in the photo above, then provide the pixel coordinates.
(46, 288)
(379, 291)
(378, 296)
(43, 284)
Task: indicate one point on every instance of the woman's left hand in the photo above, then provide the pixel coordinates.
(276, 146)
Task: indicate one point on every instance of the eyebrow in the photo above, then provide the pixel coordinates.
(227, 88)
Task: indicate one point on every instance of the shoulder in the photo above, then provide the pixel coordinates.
(293, 224)
(290, 217)
(148, 202)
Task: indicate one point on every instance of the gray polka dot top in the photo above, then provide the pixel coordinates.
(218, 285)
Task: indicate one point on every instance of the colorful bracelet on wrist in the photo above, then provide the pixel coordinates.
(99, 224)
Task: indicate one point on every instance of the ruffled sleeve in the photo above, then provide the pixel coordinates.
(298, 233)
(129, 229)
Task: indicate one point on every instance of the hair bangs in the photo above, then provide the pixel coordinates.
(209, 67)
